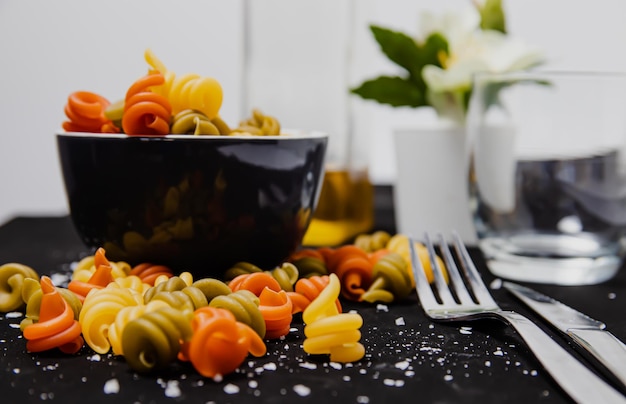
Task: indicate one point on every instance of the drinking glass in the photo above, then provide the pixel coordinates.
(547, 174)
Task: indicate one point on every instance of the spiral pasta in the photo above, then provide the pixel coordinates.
(32, 295)
(258, 124)
(329, 332)
(99, 311)
(372, 242)
(134, 283)
(193, 122)
(56, 327)
(189, 91)
(125, 316)
(245, 307)
(145, 112)
(276, 309)
(100, 279)
(306, 290)
(12, 277)
(85, 113)
(286, 275)
(354, 269)
(154, 339)
(254, 282)
(310, 266)
(219, 343)
(399, 243)
(391, 280)
(240, 268)
(188, 298)
(149, 272)
(88, 265)
(169, 285)
(212, 288)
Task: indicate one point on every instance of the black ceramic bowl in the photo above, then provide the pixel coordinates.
(194, 203)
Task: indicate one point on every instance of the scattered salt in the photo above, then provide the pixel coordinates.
(496, 284)
(231, 389)
(335, 365)
(612, 295)
(393, 383)
(382, 307)
(14, 325)
(362, 399)
(253, 384)
(400, 321)
(488, 364)
(16, 371)
(172, 389)
(448, 378)
(111, 386)
(60, 279)
(14, 314)
(302, 390)
(308, 365)
(94, 358)
(269, 366)
(402, 365)
(466, 330)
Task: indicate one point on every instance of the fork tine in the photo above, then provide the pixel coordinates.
(442, 287)
(453, 273)
(424, 292)
(478, 286)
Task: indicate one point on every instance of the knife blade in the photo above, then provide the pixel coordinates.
(587, 332)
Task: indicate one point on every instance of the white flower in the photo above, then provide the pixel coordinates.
(471, 50)
(454, 26)
(489, 51)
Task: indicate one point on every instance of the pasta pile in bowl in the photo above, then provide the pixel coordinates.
(159, 176)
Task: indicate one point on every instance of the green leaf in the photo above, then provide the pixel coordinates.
(395, 91)
(399, 48)
(408, 54)
(434, 45)
(492, 16)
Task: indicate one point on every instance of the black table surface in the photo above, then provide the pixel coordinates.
(408, 357)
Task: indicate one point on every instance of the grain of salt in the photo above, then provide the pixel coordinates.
(172, 389)
(402, 365)
(111, 386)
(302, 390)
(231, 388)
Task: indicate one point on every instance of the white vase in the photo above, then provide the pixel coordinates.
(431, 189)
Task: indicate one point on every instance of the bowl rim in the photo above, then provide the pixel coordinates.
(286, 134)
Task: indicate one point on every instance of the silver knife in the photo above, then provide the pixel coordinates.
(590, 334)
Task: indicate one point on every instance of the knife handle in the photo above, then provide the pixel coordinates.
(576, 379)
(605, 347)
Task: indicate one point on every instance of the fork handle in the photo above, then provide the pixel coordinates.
(577, 380)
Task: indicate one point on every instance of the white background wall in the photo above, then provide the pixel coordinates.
(49, 49)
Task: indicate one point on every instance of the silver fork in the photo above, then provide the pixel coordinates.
(581, 384)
